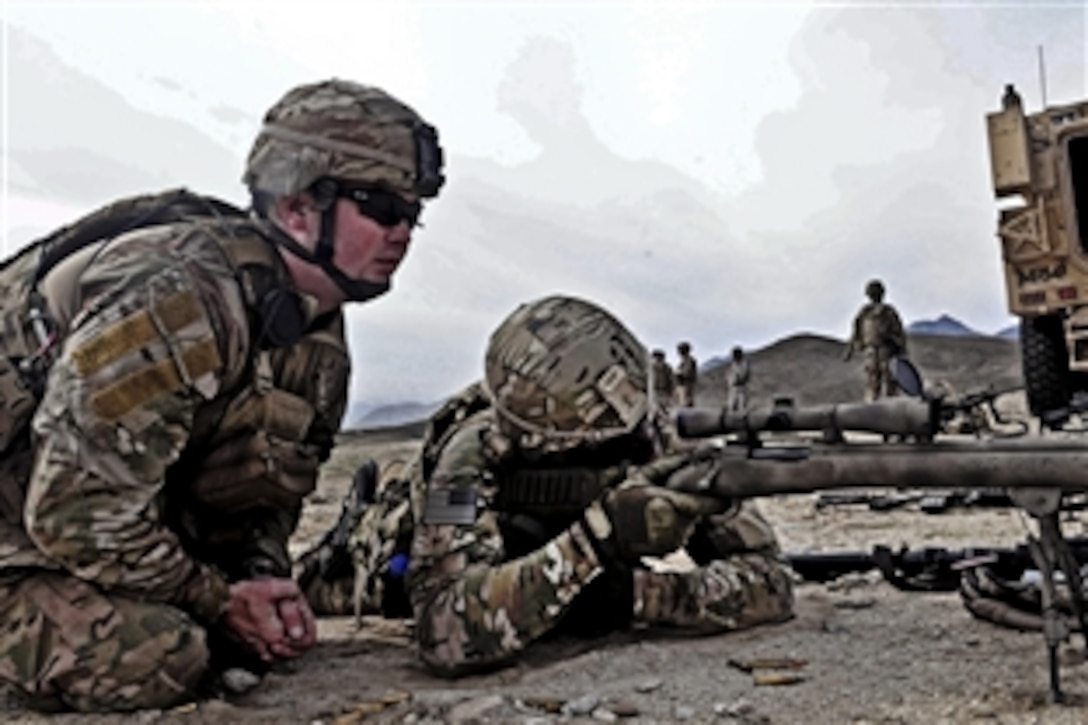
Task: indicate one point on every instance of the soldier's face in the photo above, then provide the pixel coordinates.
(365, 249)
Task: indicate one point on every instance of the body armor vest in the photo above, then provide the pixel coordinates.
(535, 500)
(255, 449)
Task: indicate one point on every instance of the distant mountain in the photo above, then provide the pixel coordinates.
(1012, 332)
(395, 414)
(715, 362)
(810, 368)
(943, 325)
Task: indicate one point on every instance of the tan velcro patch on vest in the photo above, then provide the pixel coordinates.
(135, 331)
(148, 383)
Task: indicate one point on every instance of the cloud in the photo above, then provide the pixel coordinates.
(881, 167)
(867, 159)
(77, 139)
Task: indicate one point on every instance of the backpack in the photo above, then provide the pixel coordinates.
(29, 337)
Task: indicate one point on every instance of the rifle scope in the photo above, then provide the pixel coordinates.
(895, 416)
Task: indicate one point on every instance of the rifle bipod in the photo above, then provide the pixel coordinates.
(1051, 553)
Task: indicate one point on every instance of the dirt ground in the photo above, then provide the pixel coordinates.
(863, 651)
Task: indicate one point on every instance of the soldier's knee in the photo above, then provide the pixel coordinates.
(156, 662)
(183, 668)
(66, 645)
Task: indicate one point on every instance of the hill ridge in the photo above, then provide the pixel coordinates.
(809, 368)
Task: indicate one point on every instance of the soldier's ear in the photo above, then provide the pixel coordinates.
(297, 214)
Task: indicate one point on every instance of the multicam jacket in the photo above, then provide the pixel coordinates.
(664, 381)
(486, 579)
(170, 451)
(686, 371)
(877, 326)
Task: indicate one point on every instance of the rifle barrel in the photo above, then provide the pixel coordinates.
(977, 464)
(825, 566)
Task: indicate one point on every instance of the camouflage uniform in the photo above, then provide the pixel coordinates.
(479, 601)
(117, 545)
(740, 370)
(191, 395)
(500, 553)
(664, 382)
(687, 372)
(878, 334)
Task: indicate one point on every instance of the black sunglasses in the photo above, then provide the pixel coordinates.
(384, 207)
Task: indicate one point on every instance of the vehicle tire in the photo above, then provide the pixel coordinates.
(1045, 364)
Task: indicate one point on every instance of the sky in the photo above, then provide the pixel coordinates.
(721, 172)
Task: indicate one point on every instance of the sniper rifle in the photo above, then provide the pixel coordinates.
(1037, 473)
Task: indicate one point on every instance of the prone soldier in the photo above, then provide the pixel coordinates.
(536, 496)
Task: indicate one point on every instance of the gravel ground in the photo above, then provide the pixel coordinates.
(858, 651)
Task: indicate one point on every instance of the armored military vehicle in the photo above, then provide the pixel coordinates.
(1039, 164)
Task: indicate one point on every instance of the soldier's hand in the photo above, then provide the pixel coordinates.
(272, 617)
(638, 519)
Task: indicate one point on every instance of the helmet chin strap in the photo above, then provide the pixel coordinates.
(355, 290)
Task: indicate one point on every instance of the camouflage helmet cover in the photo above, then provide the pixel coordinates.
(348, 131)
(562, 371)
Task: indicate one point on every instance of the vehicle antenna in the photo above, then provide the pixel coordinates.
(1042, 74)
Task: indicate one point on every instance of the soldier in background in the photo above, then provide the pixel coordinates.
(193, 372)
(664, 382)
(740, 371)
(687, 372)
(535, 497)
(878, 334)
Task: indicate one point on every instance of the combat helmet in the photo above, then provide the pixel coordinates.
(347, 131)
(339, 139)
(874, 289)
(562, 372)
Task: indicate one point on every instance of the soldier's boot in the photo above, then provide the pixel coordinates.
(327, 571)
